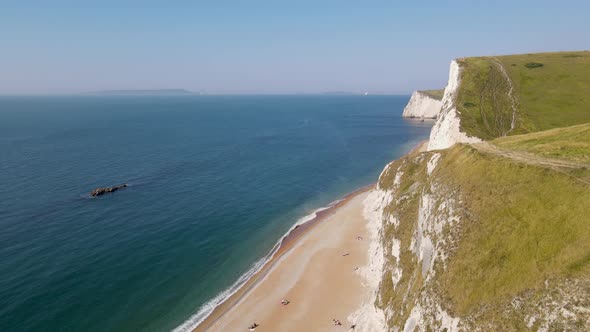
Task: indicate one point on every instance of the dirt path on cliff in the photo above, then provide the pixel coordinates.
(513, 100)
(559, 165)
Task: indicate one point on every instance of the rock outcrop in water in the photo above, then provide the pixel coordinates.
(102, 191)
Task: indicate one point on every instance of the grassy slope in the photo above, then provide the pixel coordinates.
(554, 95)
(521, 225)
(525, 224)
(436, 94)
(571, 143)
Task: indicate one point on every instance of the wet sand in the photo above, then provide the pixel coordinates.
(311, 272)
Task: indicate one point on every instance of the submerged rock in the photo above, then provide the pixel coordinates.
(102, 191)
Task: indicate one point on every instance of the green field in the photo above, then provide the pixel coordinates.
(549, 90)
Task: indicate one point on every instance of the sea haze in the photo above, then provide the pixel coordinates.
(214, 182)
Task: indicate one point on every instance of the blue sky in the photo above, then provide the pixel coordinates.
(244, 47)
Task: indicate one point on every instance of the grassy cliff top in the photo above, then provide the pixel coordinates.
(518, 94)
(436, 94)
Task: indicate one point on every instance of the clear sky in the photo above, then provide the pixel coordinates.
(297, 46)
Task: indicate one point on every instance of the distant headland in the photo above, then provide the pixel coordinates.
(144, 92)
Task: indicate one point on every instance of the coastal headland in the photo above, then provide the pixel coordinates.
(484, 227)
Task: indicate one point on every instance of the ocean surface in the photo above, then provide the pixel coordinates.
(214, 182)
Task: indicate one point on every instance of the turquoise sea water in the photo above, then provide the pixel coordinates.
(214, 181)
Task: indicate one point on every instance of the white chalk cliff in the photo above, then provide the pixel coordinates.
(447, 131)
(421, 105)
(435, 212)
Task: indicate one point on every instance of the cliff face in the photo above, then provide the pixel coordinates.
(416, 238)
(447, 131)
(422, 105)
(483, 236)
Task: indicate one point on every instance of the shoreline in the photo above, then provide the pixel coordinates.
(284, 245)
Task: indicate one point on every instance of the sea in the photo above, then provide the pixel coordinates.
(214, 182)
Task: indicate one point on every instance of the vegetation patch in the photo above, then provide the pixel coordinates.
(531, 65)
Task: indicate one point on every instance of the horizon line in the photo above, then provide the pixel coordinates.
(200, 94)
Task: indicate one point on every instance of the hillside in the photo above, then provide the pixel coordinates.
(493, 233)
(517, 94)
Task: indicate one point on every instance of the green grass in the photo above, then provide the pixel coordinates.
(520, 225)
(570, 143)
(436, 94)
(552, 90)
(525, 224)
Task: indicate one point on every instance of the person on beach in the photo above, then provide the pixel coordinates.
(285, 302)
(253, 326)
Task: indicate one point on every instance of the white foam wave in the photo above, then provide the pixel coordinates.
(206, 309)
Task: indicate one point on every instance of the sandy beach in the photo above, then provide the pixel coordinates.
(317, 273)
